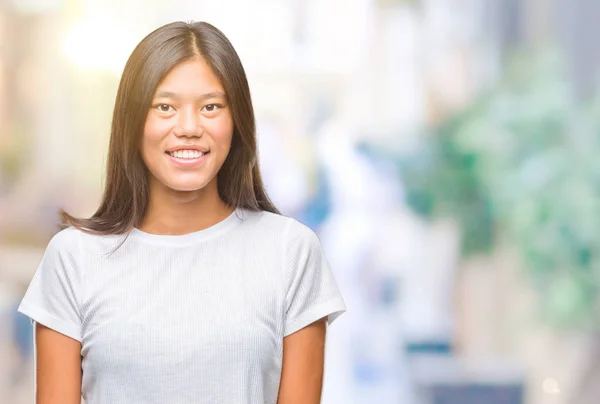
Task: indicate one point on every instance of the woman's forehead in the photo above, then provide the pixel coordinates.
(193, 78)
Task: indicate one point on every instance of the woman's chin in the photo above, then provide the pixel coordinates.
(187, 187)
(180, 183)
(183, 186)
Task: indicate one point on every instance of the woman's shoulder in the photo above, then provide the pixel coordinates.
(264, 219)
(74, 240)
(63, 247)
(65, 239)
(288, 229)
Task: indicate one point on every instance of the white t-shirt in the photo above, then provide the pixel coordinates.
(194, 318)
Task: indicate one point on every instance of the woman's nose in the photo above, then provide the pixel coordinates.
(189, 123)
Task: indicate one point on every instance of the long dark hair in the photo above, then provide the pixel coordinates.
(126, 192)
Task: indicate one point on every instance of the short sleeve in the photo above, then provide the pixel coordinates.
(52, 296)
(312, 292)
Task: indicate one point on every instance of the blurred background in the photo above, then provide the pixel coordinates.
(445, 152)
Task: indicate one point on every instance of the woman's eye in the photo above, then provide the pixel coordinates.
(211, 107)
(163, 107)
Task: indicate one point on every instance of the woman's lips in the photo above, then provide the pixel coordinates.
(188, 162)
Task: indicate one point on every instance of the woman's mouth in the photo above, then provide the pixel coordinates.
(187, 158)
(186, 154)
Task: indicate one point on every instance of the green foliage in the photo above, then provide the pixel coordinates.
(522, 164)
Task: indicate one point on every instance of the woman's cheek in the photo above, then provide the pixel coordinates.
(162, 127)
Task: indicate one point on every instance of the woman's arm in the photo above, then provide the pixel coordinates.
(58, 367)
(303, 362)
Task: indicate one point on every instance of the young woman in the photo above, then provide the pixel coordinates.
(187, 285)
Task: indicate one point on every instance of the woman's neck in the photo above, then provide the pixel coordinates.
(172, 212)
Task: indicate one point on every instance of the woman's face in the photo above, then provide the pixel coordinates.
(188, 129)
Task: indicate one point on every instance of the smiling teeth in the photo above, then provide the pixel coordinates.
(187, 154)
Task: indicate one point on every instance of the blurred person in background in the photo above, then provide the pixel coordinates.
(186, 285)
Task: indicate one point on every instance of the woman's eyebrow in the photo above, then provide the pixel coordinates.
(175, 96)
